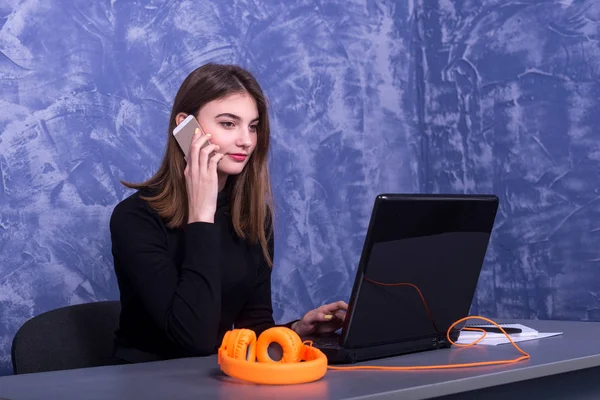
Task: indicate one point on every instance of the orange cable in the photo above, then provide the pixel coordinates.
(412, 286)
(525, 355)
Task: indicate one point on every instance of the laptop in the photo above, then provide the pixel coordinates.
(417, 275)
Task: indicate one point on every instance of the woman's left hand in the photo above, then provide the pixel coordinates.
(325, 319)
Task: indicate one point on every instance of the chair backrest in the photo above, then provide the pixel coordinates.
(75, 336)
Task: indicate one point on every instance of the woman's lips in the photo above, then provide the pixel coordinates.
(238, 157)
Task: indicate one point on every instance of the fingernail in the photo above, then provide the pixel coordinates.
(329, 316)
(208, 135)
(196, 131)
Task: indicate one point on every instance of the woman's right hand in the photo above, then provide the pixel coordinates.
(201, 179)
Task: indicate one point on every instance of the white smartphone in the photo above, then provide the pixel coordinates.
(184, 133)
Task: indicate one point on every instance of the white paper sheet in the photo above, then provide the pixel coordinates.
(494, 339)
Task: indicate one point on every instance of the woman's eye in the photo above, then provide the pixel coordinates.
(253, 128)
(227, 124)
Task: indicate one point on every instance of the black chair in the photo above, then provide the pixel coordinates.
(76, 336)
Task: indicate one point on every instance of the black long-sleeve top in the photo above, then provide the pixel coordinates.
(182, 289)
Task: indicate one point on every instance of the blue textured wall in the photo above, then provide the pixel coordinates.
(86, 95)
(366, 96)
(510, 99)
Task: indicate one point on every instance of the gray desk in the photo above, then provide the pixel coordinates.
(566, 366)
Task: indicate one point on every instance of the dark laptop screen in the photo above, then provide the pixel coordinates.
(420, 266)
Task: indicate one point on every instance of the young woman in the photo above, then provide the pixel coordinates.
(193, 246)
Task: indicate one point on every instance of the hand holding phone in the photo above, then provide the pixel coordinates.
(202, 181)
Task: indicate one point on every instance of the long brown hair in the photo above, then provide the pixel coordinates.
(250, 196)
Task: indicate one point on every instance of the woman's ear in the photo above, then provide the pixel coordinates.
(180, 117)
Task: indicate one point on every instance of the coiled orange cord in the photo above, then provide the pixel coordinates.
(525, 355)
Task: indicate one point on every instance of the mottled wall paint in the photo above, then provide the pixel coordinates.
(510, 99)
(366, 97)
(86, 94)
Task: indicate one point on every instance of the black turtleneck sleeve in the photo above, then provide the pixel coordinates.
(182, 300)
(182, 289)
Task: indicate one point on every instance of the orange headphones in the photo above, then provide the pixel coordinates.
(303, 363)
(300, 363)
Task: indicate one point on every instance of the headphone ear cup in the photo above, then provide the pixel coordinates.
(290, 343)
(241, 344)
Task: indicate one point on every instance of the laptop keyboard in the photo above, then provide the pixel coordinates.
(327, 342)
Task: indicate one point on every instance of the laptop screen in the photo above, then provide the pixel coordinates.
(420, 266)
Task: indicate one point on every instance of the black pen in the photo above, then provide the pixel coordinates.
(493, 329)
